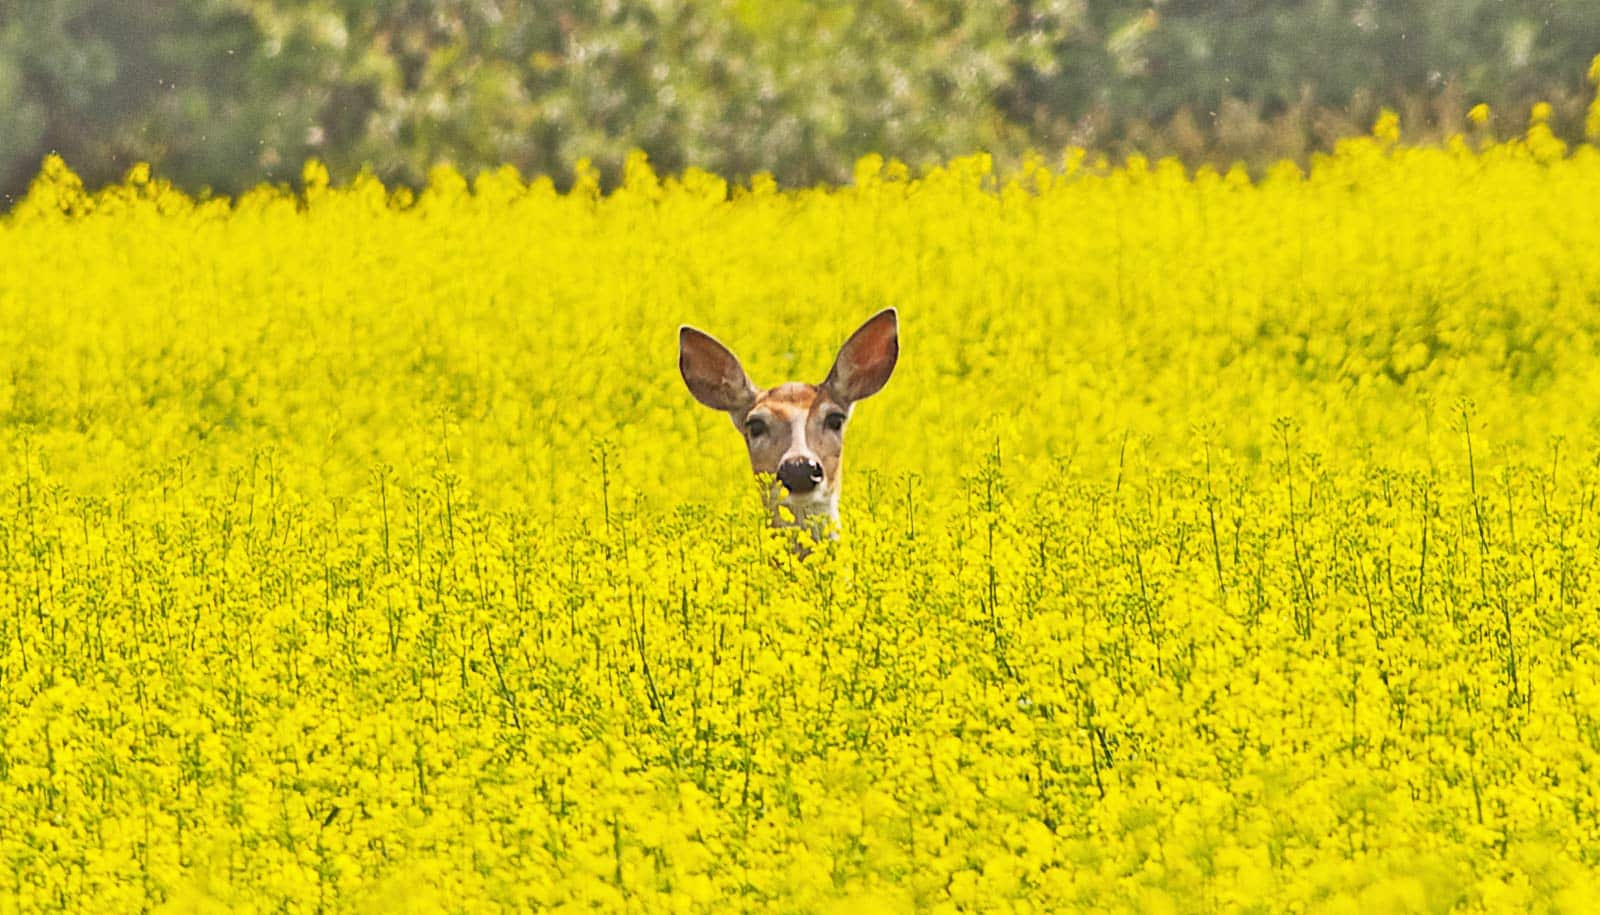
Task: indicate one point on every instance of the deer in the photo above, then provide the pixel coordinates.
(794, 432)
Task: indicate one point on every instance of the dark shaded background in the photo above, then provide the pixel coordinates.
(222, 94)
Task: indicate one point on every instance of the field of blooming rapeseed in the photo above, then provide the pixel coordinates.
(1220, 545)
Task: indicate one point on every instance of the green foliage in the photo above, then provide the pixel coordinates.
(226, 93)
(1114, 63)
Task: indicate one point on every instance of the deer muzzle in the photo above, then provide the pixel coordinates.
(800, 475)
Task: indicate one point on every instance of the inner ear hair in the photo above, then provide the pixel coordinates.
(712, 372)
(867, 359)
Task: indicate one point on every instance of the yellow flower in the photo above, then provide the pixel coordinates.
(364, 550)
(1387, 126)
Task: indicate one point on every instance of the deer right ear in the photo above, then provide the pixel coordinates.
(867, 359)
(713, 373)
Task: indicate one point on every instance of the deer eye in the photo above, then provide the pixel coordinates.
(834, 422)
(755, 427)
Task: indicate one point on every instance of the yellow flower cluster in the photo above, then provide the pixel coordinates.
(1219, 545)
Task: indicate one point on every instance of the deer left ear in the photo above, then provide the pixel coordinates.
(713, 372)
(867, 359)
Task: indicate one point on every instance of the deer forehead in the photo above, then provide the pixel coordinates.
(786, 402)
(790, 402)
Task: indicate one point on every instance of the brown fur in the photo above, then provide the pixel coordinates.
(790, 423)
(789, 408)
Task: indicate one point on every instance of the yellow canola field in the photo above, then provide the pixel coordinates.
(1218, 546)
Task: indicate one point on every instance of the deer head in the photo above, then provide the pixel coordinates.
(795, 431)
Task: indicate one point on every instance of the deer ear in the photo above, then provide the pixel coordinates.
(712, 372)
(867, 359)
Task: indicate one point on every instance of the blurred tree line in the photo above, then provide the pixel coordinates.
(226, 93)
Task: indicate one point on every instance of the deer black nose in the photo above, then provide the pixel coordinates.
(800, 475)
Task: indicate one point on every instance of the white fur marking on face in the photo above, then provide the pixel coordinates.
(798, 448)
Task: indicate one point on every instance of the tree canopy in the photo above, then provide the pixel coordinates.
(222, 94)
